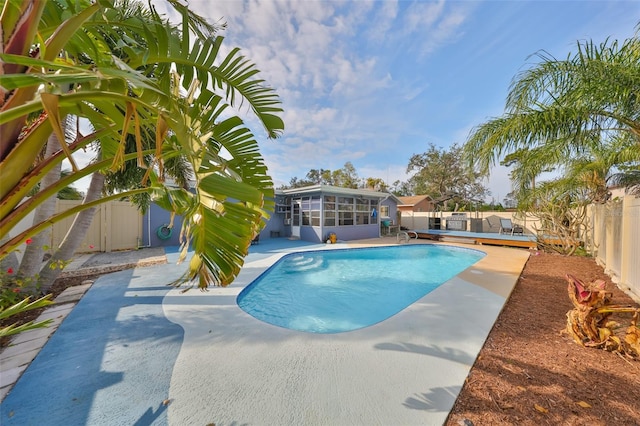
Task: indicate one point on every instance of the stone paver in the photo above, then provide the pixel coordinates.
(73, 294)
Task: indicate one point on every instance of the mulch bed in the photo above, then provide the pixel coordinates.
(530, 373)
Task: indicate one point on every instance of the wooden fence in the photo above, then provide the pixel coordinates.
(117, 225)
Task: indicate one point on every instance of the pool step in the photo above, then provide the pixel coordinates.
(304, 263)
(449, 239)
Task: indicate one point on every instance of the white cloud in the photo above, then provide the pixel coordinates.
(443, 31)
(421, 16)
(382, 23)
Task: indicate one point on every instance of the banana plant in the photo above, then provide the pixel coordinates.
(144, 93)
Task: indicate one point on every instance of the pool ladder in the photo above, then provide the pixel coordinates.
(403, 236)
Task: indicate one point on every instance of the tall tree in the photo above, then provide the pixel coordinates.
(376, 184)
(131, 174)
(438, 172)
(74, 236)
(346, 177)
(69, 192)
(33, 253)
(401, 189)
(319, 176)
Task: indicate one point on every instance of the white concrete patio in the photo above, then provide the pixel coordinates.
(408, 369)
(134, 351)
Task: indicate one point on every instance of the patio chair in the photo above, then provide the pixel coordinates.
(508, 227)
(494, 224)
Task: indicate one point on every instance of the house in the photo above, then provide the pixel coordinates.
(313, 213)
(416, 203)
(310, 213)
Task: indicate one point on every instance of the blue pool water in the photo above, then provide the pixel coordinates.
(332, 291)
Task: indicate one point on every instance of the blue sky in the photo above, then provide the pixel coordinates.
(373, 82)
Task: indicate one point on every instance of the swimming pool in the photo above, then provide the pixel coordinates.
(333, 291)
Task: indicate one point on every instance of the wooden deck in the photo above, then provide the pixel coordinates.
(523, 241)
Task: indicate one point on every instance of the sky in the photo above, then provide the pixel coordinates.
(374, 82)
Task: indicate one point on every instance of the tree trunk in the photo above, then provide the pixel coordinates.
(74, 236)
(33, 254)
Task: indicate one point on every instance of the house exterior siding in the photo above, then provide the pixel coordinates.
(423, 206)
(418, 203)
(155, 218)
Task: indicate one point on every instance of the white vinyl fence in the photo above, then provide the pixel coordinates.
(490, 220)
(616, 241)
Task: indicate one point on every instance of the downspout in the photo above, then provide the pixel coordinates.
(378, 216)
(322, 234)
(148, 230)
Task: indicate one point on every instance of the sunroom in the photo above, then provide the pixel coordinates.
(315, 213)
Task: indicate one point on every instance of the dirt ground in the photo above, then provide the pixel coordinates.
(529, 373)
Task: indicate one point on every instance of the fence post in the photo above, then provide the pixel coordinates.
(630, 250)
(105, 210)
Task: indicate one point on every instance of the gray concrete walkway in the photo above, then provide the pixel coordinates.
(24, 347)
(134, 351)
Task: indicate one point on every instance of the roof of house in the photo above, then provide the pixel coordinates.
(413, 200)
(329, 189)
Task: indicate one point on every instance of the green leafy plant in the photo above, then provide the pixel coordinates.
(19, 308)
(15, 295)
(9, 294)
(15, 300)
(14, 288)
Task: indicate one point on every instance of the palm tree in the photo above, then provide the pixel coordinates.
(69, 192)
(177, 99)
(593, 170)
(560, 110)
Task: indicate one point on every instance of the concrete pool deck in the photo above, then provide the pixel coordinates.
(133, 351)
